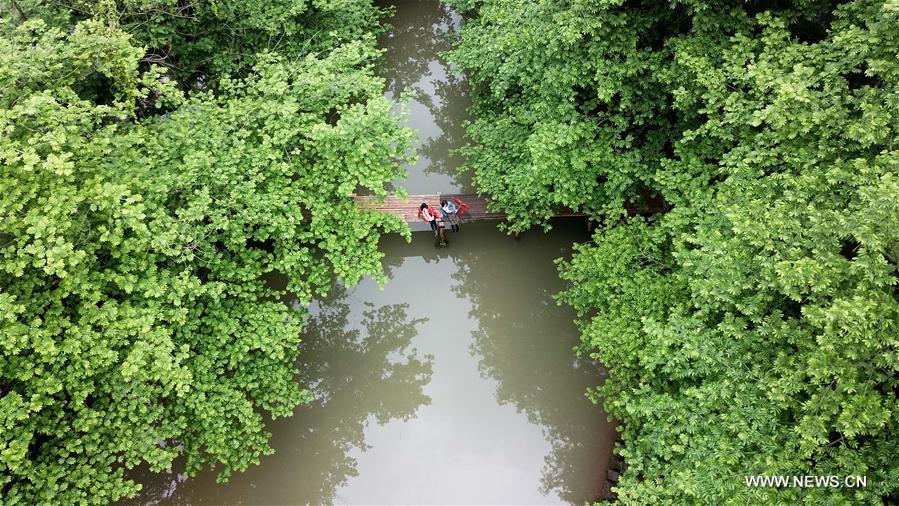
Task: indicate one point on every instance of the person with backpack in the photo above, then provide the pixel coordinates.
(450, 213)
(425, 213)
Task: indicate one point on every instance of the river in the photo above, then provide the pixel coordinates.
(455, 384)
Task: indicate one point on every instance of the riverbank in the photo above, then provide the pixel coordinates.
(457, 382)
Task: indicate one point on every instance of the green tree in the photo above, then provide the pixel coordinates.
(569, 110)
(752, 329)
(201, 41)
(137, 325)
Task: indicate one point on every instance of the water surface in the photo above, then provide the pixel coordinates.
(455, 384)
(413, 61)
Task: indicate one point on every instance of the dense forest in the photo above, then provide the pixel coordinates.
(159, 158)
(747, 306)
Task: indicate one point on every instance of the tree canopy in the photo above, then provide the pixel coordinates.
(150, 182)
(753, 328)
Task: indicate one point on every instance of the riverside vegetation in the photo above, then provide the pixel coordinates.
(160, 157)
(753, 328)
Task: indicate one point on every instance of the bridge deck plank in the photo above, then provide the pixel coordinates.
(408, 209)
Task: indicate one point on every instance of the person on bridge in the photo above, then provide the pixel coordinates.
(424, 212)
(450, 211)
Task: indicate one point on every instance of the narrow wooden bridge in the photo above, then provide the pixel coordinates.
(408, 209)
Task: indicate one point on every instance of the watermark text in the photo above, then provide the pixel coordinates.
(785, 481)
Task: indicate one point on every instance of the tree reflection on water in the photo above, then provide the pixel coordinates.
(361, 369)
(358, 374)
(420, 36)
(546, 382)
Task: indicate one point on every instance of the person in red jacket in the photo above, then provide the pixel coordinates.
(425, 213)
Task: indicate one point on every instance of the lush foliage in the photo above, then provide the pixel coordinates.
(754, 327)
(202, 41)
(139, 223)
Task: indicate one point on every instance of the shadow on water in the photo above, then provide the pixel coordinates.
(456, 384)
(545, 381)
(530, 356)
(522, 342)
(360, 374)
(362, 371)
(421, 34)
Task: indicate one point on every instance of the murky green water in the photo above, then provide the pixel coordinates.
(455, 384)
(422, 32)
